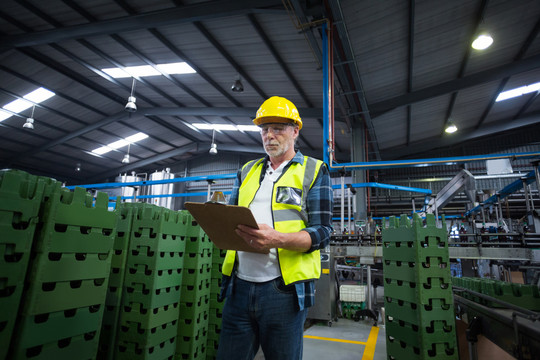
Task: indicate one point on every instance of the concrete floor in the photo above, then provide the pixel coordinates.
(344, 340)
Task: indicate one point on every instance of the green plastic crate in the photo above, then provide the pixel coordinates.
(418, 293)
(164, 350)
(56, 333)
(21, 196)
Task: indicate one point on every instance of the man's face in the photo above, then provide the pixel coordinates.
(278, 138)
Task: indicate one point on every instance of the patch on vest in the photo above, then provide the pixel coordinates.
(289, 195)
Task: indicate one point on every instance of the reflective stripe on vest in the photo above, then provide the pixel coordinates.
(289, 215)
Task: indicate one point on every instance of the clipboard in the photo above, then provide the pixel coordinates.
(219, 222)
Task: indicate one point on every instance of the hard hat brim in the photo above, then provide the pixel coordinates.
(276, 119)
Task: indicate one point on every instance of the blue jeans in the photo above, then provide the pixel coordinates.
(262, 314)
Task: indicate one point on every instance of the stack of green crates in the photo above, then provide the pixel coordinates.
(21, 195)
(61, 315)
(195, 299)
(152, 285)
(525, 296)
(420, 320)
(113, 302)
(216, 307)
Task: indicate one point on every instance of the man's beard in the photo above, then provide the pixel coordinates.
(278, 150)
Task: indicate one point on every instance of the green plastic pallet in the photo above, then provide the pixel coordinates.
(164, 350)
(42, 334)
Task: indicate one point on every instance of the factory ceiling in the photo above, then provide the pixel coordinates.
(403, 71)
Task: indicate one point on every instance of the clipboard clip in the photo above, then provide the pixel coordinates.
(217, 198)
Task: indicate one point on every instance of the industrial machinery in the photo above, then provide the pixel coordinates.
(325, 290)
(161, 189)
(129, 193)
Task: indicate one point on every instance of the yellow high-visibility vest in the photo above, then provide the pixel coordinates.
(289, 215)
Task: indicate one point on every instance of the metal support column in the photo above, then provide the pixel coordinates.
(349, 210)
(343, 203)
(209, 191)
(368, 281)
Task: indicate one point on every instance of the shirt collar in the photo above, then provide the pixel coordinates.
(298, 157)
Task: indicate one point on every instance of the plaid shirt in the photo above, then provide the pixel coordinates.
(319, 208)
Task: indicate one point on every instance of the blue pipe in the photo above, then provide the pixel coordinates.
(387, 186)
(431, 161)
(165, 195)
(505, 192)
(153, 182)
(326, 107)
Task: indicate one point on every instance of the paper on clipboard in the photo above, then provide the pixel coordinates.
(219, 222)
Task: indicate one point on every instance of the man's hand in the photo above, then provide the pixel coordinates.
(263, 238)
(266, 238)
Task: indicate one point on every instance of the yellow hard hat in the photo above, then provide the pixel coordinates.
(278, 110)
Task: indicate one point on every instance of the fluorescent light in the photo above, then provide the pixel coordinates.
(39, 95)
(120, 143)
(204, 126)
(137, 137)
(102, 150)
(253, 128)
(176, 68)
(116, 73)
(143, 70)
(518, 91)
(147, 70)
(226, 127)
(18, 105)
(4, 115)
(132, 71)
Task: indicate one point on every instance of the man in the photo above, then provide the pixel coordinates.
(269, 290)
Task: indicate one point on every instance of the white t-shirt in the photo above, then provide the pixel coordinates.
(256, 267)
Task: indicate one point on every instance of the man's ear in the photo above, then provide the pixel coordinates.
(296, 131)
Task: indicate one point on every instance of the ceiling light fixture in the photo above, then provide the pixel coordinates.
(450, 128)
(213, 146)
(78, 167)
(482, 41)
(120, 143)
(237, 86)
(125, 160)
(29, 124)
(26, 102)
(130, 106)
(522, 90)
(147, 70)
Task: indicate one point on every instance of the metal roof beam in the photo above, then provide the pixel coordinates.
(145, 162)
(410, 66)
(464, 135)
(221, 49)
(516, 67)
(220, 111)
(526, 45)
(479, 19)
(178, 15)
(279, 59)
